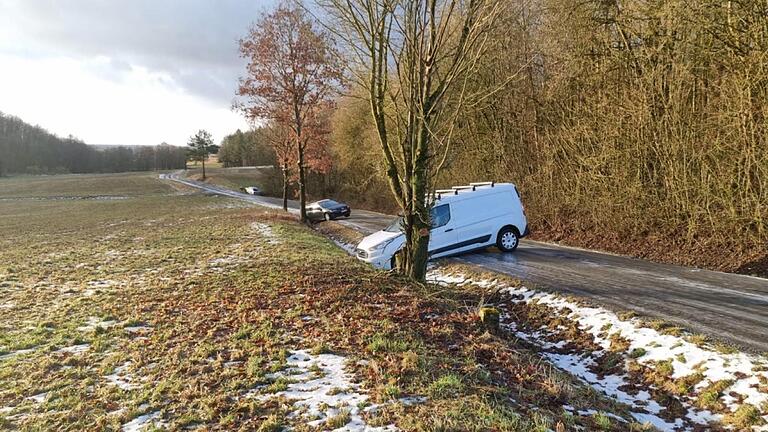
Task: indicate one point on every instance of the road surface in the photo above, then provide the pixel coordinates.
(363, 221)
(729, 307)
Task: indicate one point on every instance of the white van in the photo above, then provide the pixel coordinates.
(464, 218)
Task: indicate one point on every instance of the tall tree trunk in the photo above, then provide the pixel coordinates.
(302, 180)
(203, 168)
(285, 186)
(420, 225)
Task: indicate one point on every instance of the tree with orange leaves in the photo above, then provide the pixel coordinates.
(293, 74)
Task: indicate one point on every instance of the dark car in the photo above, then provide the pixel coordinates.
(327, 210)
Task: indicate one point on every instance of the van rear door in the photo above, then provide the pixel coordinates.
(442, 237)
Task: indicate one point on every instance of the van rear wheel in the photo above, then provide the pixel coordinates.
(507, 240)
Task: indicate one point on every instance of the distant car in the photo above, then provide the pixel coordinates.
(327, 210)
(251, 190)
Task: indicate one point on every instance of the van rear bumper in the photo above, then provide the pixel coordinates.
(526, 232)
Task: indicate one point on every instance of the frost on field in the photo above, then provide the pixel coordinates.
(265, 231)
(143, 422)
(121, 378)
(94, 323)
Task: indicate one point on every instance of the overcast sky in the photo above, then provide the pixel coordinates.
(124, 71)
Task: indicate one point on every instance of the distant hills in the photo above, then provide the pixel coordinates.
(28, 149)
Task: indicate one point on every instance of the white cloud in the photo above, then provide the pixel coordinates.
(134, 72)
(106, 105)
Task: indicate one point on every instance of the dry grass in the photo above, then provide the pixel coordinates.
(213, 307)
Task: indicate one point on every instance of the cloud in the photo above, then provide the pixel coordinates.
(167, 51)
(143, 107)
(193, 41)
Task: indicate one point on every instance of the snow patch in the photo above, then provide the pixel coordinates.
(346, 247)
(221, 264)
(38, 398)
(321, 389)
(137, 329)
(686, 358)
(265, 231)
(16, 353)
(95, 322)
(74, 349)
(143, 421)
(121, 378)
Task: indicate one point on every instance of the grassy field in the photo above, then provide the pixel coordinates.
(169, 309)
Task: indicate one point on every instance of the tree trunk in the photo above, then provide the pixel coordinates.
(417, 253)
(203, 169)
(302, 189)
(420, 223)
(285, 186)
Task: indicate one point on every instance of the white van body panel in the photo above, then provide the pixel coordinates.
(477, 215)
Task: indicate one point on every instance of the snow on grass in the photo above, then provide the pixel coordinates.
(16, 353)
(74, 349)
(265, 231)
(321, 390)
(346, 247)
(142, 422)
(95, 322)
(221, 264)
(121, 378)
(231, 204)
(38, 398)
(748, 373)
(137, 329)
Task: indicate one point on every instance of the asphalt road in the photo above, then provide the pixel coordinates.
(363, 221)
(730, 307)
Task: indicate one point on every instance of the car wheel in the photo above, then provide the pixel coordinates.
(508, 239)
(395, 257)
(327, 216)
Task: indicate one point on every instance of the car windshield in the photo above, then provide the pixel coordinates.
(395, 226)
(327, 203)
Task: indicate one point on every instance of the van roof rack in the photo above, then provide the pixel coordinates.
(459, 188)
(455, 189)
(446, 191)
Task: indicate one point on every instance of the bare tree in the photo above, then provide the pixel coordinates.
(293, 74)
(412, 56)
(279, 139)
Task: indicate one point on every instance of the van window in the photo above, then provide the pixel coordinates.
(440, 215)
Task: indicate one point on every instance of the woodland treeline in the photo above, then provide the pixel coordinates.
(250, 148)
(27, 149)
(634, 126)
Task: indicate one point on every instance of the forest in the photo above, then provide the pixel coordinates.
(638, 127)
(27, 149)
